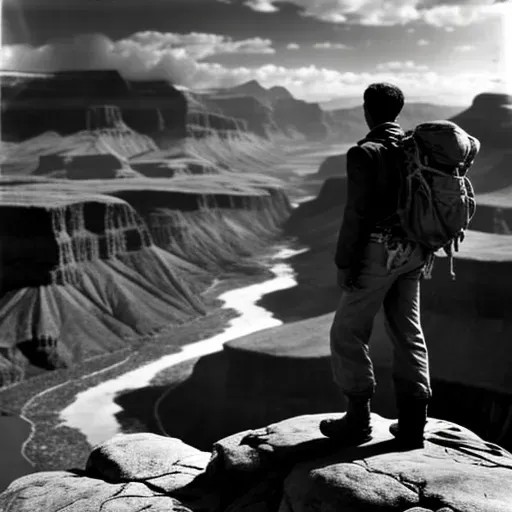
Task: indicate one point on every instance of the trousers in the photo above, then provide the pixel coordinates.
(396, 288)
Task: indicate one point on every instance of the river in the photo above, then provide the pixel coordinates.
(100, 399)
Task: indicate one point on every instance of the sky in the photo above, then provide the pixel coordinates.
(443, 51)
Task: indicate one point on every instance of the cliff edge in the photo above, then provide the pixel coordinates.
(286, 467)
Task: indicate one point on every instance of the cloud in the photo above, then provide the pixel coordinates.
(143, 55)
(149, 56)
(439, 13)
(199, 45)
(261, 5)
(461, 14)
(464, 48)
(397, 65)
(423, 42)
(330, 46)
(292, 46)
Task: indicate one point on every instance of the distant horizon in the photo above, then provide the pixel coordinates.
(339, 102)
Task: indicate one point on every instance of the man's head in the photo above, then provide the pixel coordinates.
(382, 103)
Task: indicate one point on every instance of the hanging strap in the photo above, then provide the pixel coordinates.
(429, 265)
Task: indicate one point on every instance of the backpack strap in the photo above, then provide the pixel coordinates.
(429, 265)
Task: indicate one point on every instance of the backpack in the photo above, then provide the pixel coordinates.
(436, 200)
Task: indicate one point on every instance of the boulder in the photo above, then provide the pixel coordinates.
(455, 471)
(166, 463)
(53, 491)
(285, 467)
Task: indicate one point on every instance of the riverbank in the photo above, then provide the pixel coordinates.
(13, 433)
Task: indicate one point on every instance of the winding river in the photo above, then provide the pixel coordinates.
(102, 424)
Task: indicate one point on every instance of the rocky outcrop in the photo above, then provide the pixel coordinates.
(489, 119)
(266, 110)
(75, 253)
(254, 89)
(251, 88)
(72, 264)
(285, 467)
(334, 166)
(256, 115)
(36, 103)
(293, 115)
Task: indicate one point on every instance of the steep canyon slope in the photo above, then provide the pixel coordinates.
(102, 215)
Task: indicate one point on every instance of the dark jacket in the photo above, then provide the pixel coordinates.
(372, 192)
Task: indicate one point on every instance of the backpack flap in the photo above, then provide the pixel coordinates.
(445, 146)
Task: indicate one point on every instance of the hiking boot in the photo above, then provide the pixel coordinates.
(412, 418)
(354, 427)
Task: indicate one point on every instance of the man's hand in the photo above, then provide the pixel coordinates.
(347, 279)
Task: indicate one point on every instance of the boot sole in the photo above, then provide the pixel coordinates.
(344, 438)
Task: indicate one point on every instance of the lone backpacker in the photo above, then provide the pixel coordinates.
(436, 201)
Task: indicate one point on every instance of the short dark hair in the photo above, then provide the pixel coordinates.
(383, 101)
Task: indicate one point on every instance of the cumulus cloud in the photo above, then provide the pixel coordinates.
(439, 13)
(149, 56)
(330, 46)
(292, 46)
(261, 5)
(175, 57)
(398, 65)
(199, 45)
(423, 42)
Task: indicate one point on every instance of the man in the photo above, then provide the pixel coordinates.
(378, 267)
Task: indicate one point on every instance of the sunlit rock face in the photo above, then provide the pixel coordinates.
(72, 263)
(489, 119)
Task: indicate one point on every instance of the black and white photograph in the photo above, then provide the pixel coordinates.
(255, 255)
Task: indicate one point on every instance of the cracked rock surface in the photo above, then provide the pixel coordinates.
(285, 467)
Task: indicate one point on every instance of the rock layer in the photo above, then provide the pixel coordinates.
(92, 266)
(37, 103)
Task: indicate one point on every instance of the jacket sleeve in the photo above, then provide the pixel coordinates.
(356, 224)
